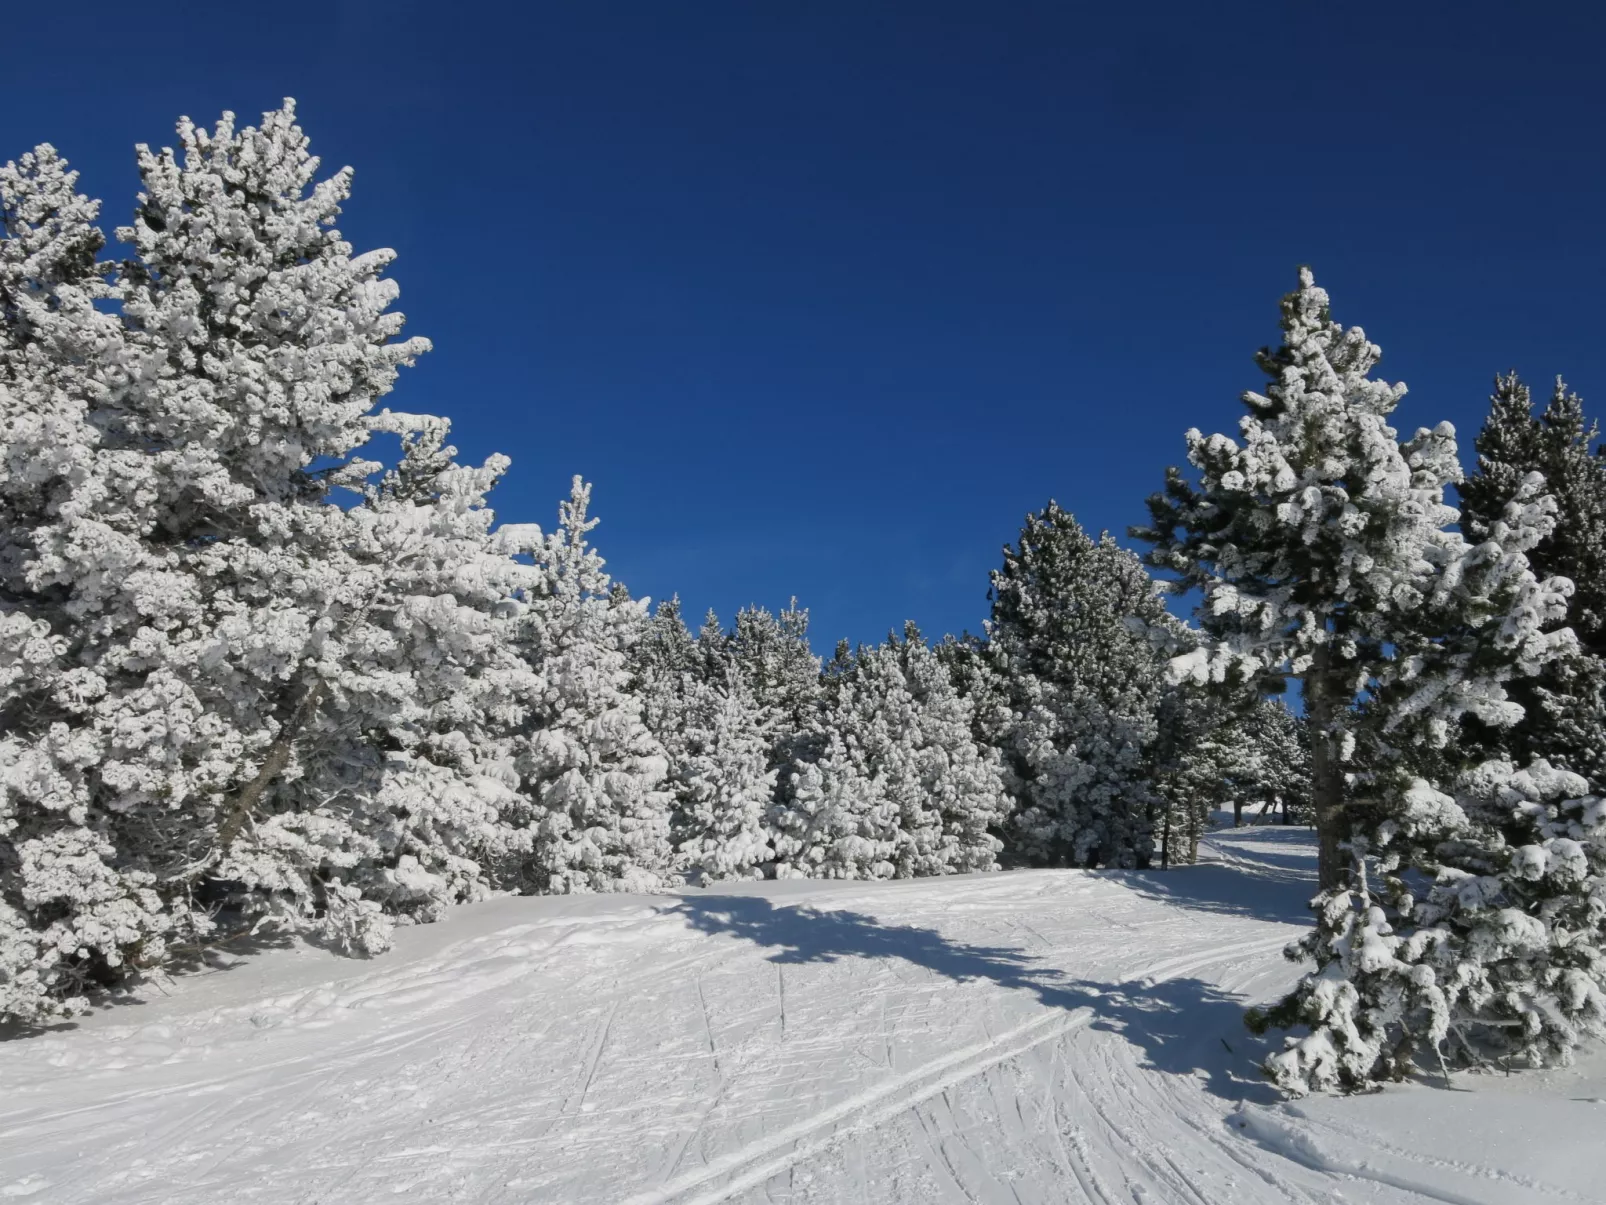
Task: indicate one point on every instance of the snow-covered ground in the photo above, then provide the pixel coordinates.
(1038, 1036)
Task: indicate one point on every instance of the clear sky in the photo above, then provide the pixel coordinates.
(825, 296)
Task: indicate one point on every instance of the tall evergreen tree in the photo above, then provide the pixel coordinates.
(1270, 763)
(446, 676)
(664, 660)
(975, 676)
(1189, 780)
(723, 782)
(1470, 930)
(961, 779)
(263, 344)
(74, 910)
(1564, 705)
(772, 655)
(849, 813)
(246, 702)
(1324, 550)
(1083, 682)
(332, 680)
(592, 766)
(895, 785)
(826, 823)
(666, 649)
(716, 739)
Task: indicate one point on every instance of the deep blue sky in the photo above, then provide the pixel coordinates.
(824, 297)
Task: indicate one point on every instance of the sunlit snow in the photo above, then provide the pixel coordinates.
(1033, 1036)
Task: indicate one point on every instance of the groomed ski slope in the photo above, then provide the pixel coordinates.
(1045, 1036)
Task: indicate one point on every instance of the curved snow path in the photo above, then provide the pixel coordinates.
(1027, 1037)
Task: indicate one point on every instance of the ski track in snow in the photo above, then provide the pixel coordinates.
(1023, 1038)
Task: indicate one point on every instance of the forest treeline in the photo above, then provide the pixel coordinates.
(268, 661)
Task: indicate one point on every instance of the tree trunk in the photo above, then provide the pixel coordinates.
(277, 760)
(1237, 813)
(1327, 774)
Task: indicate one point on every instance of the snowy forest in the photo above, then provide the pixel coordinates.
(270, 661)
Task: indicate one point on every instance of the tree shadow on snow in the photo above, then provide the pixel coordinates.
(1184, 1027)
(1264, 893)
(216, 956)
(1291, 849)
(1265, 872)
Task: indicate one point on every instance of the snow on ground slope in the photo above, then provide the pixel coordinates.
(1039, 1036)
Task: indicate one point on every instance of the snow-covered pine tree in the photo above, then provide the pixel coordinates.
(821, 819)
(898, 786)
(589, 761)
(1520, 889)
(1083, 683)
(259, 698)
(1564, 706)
(1241, 754)
(1188, 764)
(713, 644)
(667, 648)
(723, 782)
(251, 343)
(716, 739)
(268, 621)
(1272, 766)
(75, 912)
(956, 776)
(1497, 959)
(446, 676)
(1558, 444)
(976, 678)
(1457, 920)
(835, 816)
(1324, 550)
(772, 655)
(1464, 918)
(771, 658)
(663, 661)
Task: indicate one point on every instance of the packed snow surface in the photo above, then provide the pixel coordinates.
(1039, 1036)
